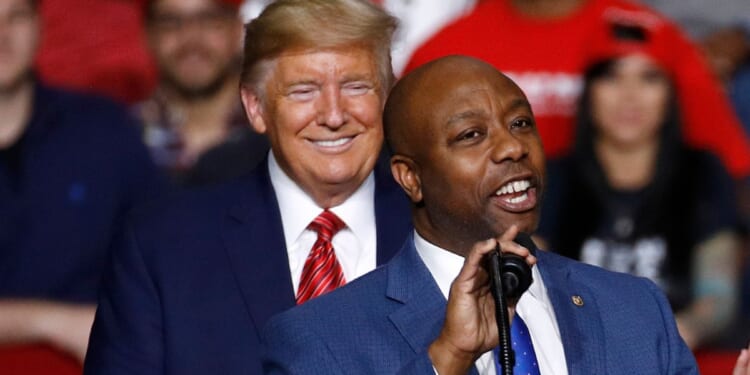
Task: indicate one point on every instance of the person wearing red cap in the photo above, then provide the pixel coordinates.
(633, 197)
(193, 123)
(544, 45)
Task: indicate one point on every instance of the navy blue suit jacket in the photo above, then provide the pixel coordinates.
(196, 277)
(384, 322)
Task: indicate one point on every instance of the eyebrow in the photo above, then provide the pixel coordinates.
(478, 114)
(519, 103)
(461, 116)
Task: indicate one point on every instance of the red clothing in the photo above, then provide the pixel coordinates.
(96, 46)
(547, 58)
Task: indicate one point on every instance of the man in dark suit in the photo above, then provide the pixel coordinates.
(468, 155)
(195, 277)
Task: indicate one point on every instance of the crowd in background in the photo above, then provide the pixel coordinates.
(645, 119)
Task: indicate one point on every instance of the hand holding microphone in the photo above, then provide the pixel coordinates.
(470, 327)
(510, 276)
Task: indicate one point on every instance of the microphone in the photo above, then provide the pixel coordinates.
(510, 276)
(516, 273)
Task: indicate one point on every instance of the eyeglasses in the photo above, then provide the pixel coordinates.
(206, 20)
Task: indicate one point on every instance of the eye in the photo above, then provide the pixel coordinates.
(522, 123)
(469, 135)
(302, 93)
(356, 88)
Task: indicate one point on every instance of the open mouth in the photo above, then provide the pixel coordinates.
(518, 195)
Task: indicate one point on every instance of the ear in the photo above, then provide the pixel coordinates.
(406, 173)
(253, 108)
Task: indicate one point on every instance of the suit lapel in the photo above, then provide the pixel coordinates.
(254, 242)
(392, 216)
(579, 323)
(253, 234)
(410, 283)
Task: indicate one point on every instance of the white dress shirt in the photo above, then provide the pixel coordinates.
(355, 245)
(534, 308)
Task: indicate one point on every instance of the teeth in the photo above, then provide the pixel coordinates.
(519, 198)
(514, 187)
(333, 143)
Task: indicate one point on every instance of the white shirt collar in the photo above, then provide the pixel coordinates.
(445, 267)
(298, 209)
(534, 307)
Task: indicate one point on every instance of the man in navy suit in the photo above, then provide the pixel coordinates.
(468, 155)
(195, 277)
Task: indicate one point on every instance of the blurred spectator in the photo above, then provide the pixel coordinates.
(723, 29)
(632, 197)
(194, 124)
(720, 26)
(544, 45)
(96, 46)
(418, 20)
(70, 166)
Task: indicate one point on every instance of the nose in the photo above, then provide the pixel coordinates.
(331, 112)
(506, 146)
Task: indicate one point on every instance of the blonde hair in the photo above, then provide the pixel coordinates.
(316, 24)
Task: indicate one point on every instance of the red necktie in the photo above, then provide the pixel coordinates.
(322, 272)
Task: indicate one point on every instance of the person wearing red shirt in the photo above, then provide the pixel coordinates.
(544, 46)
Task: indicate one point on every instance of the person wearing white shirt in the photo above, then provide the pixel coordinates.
(467, 154)
(194, 277)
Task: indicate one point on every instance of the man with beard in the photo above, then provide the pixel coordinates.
(193, 123)
(70, 166)
(467, 153)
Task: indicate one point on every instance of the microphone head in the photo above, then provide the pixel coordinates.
(516, 273)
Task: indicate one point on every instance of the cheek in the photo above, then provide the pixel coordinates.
(224, 43)
(366, 110)
(292, 118)
(165, 46)
(656, 99)
(603, 101)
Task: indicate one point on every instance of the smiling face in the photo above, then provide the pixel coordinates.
(629, 102)
(472, 158)
(321, 110)
(196, 44)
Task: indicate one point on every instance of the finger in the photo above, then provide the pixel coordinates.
(509, 234)
(741, 368)
(510, 247)
(478, 252)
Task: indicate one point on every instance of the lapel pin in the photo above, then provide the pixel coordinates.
(577, 300)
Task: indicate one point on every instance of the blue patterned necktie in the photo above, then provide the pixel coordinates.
(526, 363)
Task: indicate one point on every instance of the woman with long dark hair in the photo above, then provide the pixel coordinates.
(632, 197)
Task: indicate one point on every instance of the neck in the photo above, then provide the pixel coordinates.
(627, 168)
(547, 9)
(15, 110)
(333, 197)
(433, 229)
(204, 111)
(205, 119)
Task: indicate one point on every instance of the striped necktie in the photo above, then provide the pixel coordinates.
(322, 273)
